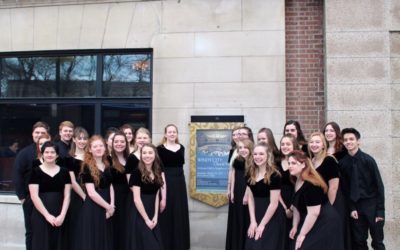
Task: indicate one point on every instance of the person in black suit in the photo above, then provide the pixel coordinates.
(22, 171)
(66, 132)
(365, 191)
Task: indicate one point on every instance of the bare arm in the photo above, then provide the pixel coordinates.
(76, 187)
(332, 190)
(295, 222)
(37, 202)
(253, 223)
(273, 205)
(232, 185)
(309, 221)
(67, 198)
(163, 202)
(156, 206)
(98, 199)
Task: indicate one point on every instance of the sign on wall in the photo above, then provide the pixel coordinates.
(210, 142)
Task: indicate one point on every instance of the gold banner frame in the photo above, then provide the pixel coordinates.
(212, 199)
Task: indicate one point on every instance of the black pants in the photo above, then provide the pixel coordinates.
(28, 207)
(366, 221)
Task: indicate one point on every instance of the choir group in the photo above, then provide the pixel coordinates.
(121, 192)
(126, 192)
(318, 194)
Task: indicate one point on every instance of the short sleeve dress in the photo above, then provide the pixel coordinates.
(145, 237)
(51, 192)
(326, 232)
(273, 234)
(95, 231)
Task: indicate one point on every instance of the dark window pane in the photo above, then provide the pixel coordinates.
(16, 126)
(78, 76)
(28, 77)
(115, 115)
(127, 75)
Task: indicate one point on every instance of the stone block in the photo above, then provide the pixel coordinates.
(117, 26)
(227, 69)
(173, 45)
(145, 24)
(396, 123)
(343, 15)
(395, 44)
(394, 15)
(358, 97)
(264, 69)
(357, 44)
(249, 43)
(45, 28)
(263, 15)
(396, 155)
(22, 20)
(273, 118)
(178, 116)
(208, 230)
(214, 95)
(5, 30)
(69, 26)
(170, 95)
(93, 25)
(206, 15)
(358, 70)
(392, 230)
(368, 123)
(395, 70)
(379, 148)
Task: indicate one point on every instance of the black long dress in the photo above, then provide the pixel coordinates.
(51, 192)
(326, 232)
(174, 220)
(146, 239)
(131, 217)
(238, 214)
(287, 190)
(329, 169)
(273, 235)
(95, 231)
(75, 206)
(122, 193)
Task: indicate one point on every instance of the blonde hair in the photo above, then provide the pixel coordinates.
(66, 124)
(141, 130)
(324, 152)
(270, 167)
(164, 139)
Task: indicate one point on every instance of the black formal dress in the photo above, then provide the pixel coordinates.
(326, 232)
(174, 220)
(131, 243)
(122, 194)
(146, 239)
(95, 231)
(238, 214)
(329, 169)
(273, 235)
(51, 192)
(287, 191)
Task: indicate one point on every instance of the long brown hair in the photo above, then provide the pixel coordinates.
(156, 167)
(309, 173)
(270, 167)
(164, 139)
(115, 162)
(128, 126)
(271, 141)
(339, 139)
(78, 131)
(90, 163)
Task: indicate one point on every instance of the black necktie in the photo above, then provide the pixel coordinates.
(354, 188)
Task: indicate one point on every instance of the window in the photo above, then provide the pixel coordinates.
(95, 89)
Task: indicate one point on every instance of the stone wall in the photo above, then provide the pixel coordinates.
(211, 57)
(362, 76)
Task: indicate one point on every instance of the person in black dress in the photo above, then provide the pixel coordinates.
(316, 224)
(146, 181)
(39, 159)
(95, 225)
(119, 154)
(142, 137)
(50, 188)
(22, 171)
(73, 163)
(334, 139)
(238, 213)
(267, 217)
(174, 220)
(266, 136)
(293, 127)
(287, 144)
(233, 153)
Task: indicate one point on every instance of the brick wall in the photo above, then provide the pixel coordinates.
(305, 97)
